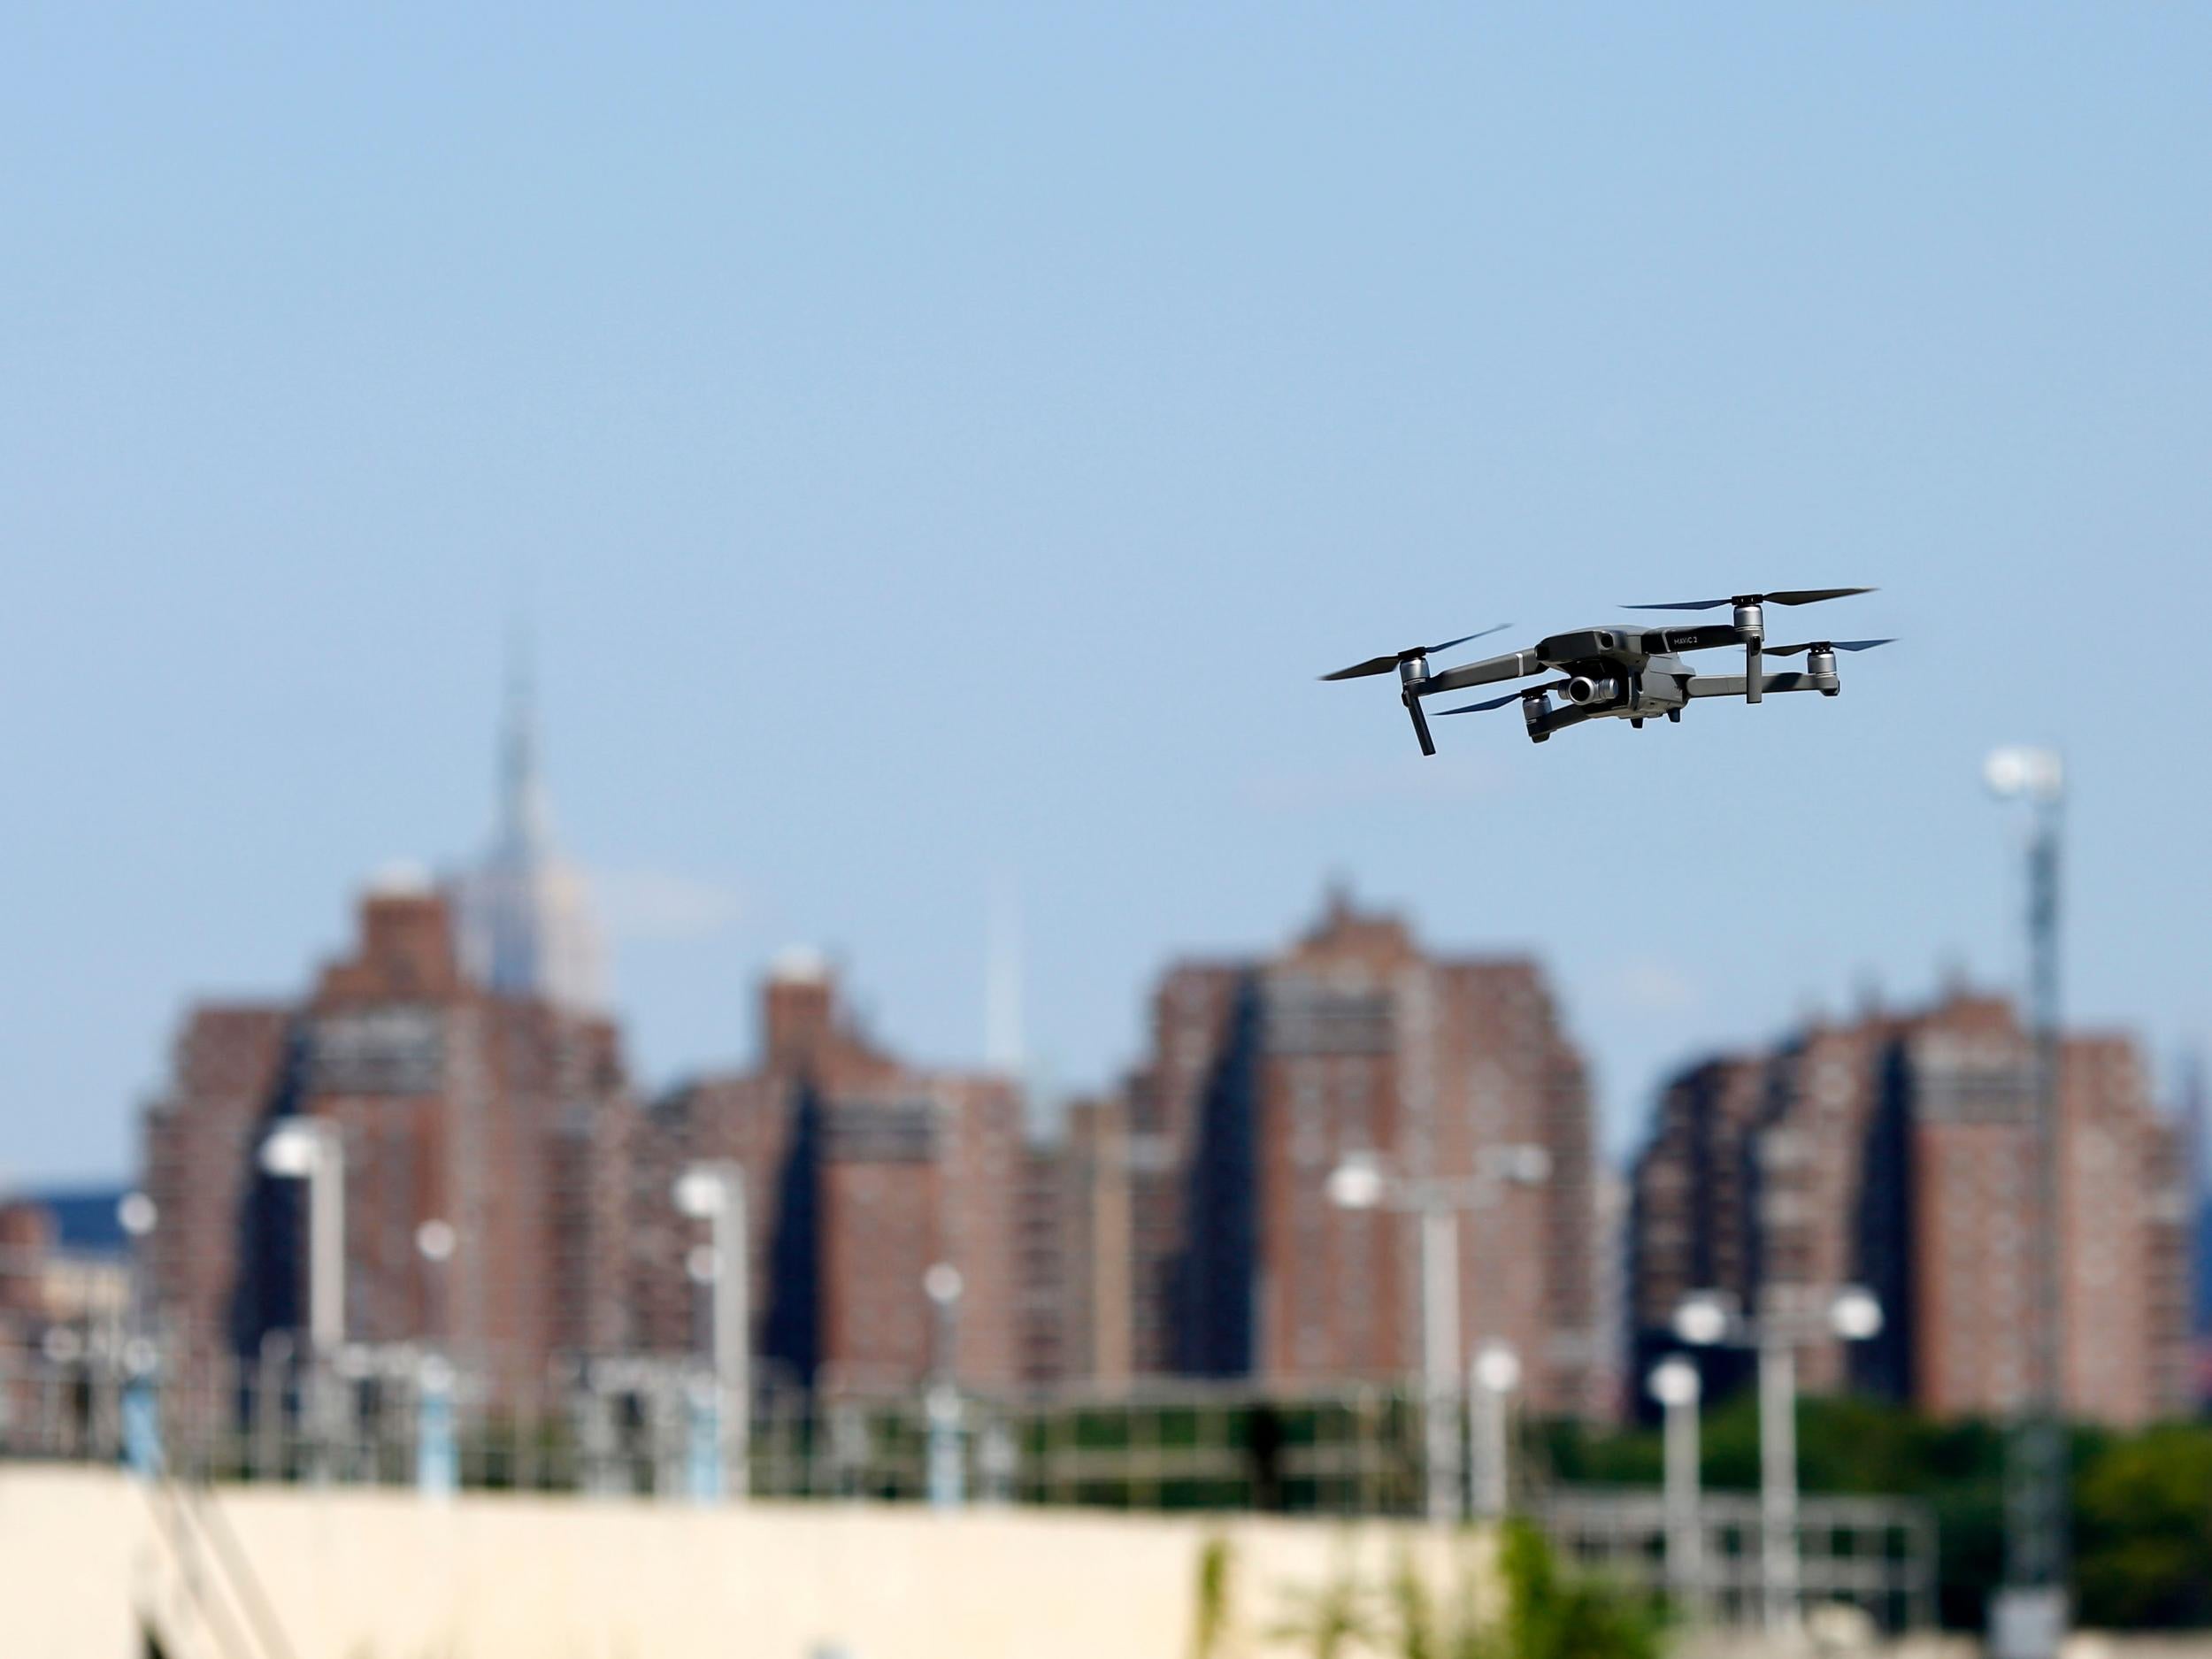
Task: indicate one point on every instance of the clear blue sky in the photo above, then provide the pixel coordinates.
(937, 442)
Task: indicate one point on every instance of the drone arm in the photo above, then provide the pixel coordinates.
(1735, 685)
(1487, 672)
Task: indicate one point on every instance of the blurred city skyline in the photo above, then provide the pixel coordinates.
(936, 456)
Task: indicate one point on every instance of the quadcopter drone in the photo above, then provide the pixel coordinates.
(1624, 673)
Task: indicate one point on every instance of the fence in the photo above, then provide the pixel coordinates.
(643, 1426)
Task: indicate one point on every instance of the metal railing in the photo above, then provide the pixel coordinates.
(628, 1426)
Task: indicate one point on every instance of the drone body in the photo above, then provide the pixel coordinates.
(1623, 671)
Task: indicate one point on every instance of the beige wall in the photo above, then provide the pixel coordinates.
(379, 1575)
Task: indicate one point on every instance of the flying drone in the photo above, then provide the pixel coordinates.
(1623, 673)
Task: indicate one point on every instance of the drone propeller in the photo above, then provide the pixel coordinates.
(1792, 597)
(1826, 645)
(1412, 665)
(1750, 620)
(1384, 664)
(1500, 702)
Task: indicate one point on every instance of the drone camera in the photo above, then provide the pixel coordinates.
(1584, 690)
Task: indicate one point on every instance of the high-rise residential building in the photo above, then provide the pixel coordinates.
(457, 1048)
(861, 1172)
(489, 1112)
(1073, 1243)
(1899, 1151)
(1687, 1211)
(2196, 1129)
(1265, 1076)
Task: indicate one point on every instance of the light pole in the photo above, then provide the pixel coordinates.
(715, 1192)
(1675, 1384)
(138, 1215)
(437, 1461)
(2028, 1614)
(1710, 1318)
(308, 1150)
(1492, 1376)
(1360, 1182)
(943, 1285)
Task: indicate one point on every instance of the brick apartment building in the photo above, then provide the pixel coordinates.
(861, 1172)
(1897, 1150)
(1264, 1075)
(1073, 1220)
(488, 1112)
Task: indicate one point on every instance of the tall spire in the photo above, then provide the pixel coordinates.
(525, 817)
(1002, 980)
(525, 924)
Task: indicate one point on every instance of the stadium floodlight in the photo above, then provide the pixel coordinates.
(2029, 1613)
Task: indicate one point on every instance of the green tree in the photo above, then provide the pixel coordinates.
(2143, 1530)
(1551, 1614)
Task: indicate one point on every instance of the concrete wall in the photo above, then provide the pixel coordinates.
(350, 1574)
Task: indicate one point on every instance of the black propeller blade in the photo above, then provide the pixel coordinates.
(1477, 708)
(1510, 696)
(1826, 645)
(1384, 664)
(1792, 596)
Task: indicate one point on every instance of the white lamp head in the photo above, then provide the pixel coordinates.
(136, 1214)
(1856, 1314)
(701, 1191)
(1675, 1382)
(1703, 1318)
(292, 1150)
(942, 1284)
(1358, 1182)
(2039, 774)
(436, 1239)
(1527, 1164)
(1498, 1367)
